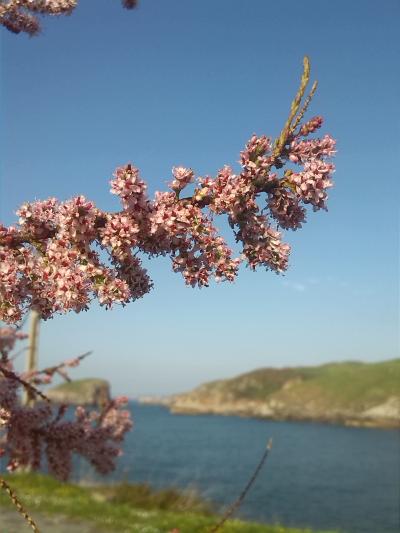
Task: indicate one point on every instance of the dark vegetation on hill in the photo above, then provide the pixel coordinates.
(89, 391)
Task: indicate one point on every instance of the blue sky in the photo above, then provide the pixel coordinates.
(186, 83)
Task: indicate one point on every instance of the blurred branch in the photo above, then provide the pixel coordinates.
(13, 497)
(58, 368)
(15, 355)
(33, 391)
(237, 503)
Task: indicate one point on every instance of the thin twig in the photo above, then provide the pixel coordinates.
(53, 369)
(237, 503)
(13, 497)
(15, 355)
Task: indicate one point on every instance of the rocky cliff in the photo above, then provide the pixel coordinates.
(81, 392)
(350, 393)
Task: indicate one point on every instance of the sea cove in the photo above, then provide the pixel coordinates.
(318, 475)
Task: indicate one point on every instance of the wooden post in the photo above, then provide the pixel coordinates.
(32, 358)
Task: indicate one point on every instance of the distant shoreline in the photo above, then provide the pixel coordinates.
(220, 411)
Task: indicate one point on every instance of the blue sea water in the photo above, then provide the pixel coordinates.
(317, 475)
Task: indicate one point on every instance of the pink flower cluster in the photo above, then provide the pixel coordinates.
(311, 184)
(311, 150)
(27, 433)
(62, 255)
(182, 230)
(21, 15)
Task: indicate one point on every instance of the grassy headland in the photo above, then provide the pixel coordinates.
(353, 393)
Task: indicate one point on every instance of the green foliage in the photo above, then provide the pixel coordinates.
(145, 497)
(125, 508)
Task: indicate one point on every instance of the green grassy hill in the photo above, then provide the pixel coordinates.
(349, 392)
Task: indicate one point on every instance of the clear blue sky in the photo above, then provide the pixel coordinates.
(186, 83)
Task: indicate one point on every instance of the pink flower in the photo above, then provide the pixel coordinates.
(182, 177)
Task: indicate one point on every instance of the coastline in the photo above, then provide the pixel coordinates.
(185, 405)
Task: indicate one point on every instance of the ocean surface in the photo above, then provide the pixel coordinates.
(317, 475)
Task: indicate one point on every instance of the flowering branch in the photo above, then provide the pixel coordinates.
(22, 15)
(30, 431)
(51, 262)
